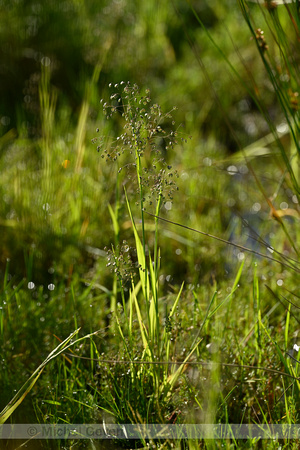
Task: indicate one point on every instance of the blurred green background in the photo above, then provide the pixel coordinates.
(57, 60)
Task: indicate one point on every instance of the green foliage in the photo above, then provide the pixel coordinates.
(183, 252)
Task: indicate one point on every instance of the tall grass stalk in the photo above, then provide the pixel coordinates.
(257, 309)
(143, 127)
(48, 98)
(285, 91)
(26, 388)
(114, 214)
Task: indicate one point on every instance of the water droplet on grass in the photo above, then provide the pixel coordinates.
(256, 207)
(5, 121)
(240, 256)
(282, 127)
(46, 61)
(207, 161)
(232, 170)
(284, 205)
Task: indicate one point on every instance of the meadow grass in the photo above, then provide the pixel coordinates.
(173, 259)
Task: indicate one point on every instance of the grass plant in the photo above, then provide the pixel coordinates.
(182, 252)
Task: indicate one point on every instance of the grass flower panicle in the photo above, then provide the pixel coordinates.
(148, 135)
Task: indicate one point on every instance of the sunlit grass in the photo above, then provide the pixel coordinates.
(195, 290)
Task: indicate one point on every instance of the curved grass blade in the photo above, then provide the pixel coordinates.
(28, 385)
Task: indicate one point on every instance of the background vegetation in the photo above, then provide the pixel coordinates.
(79, 249)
